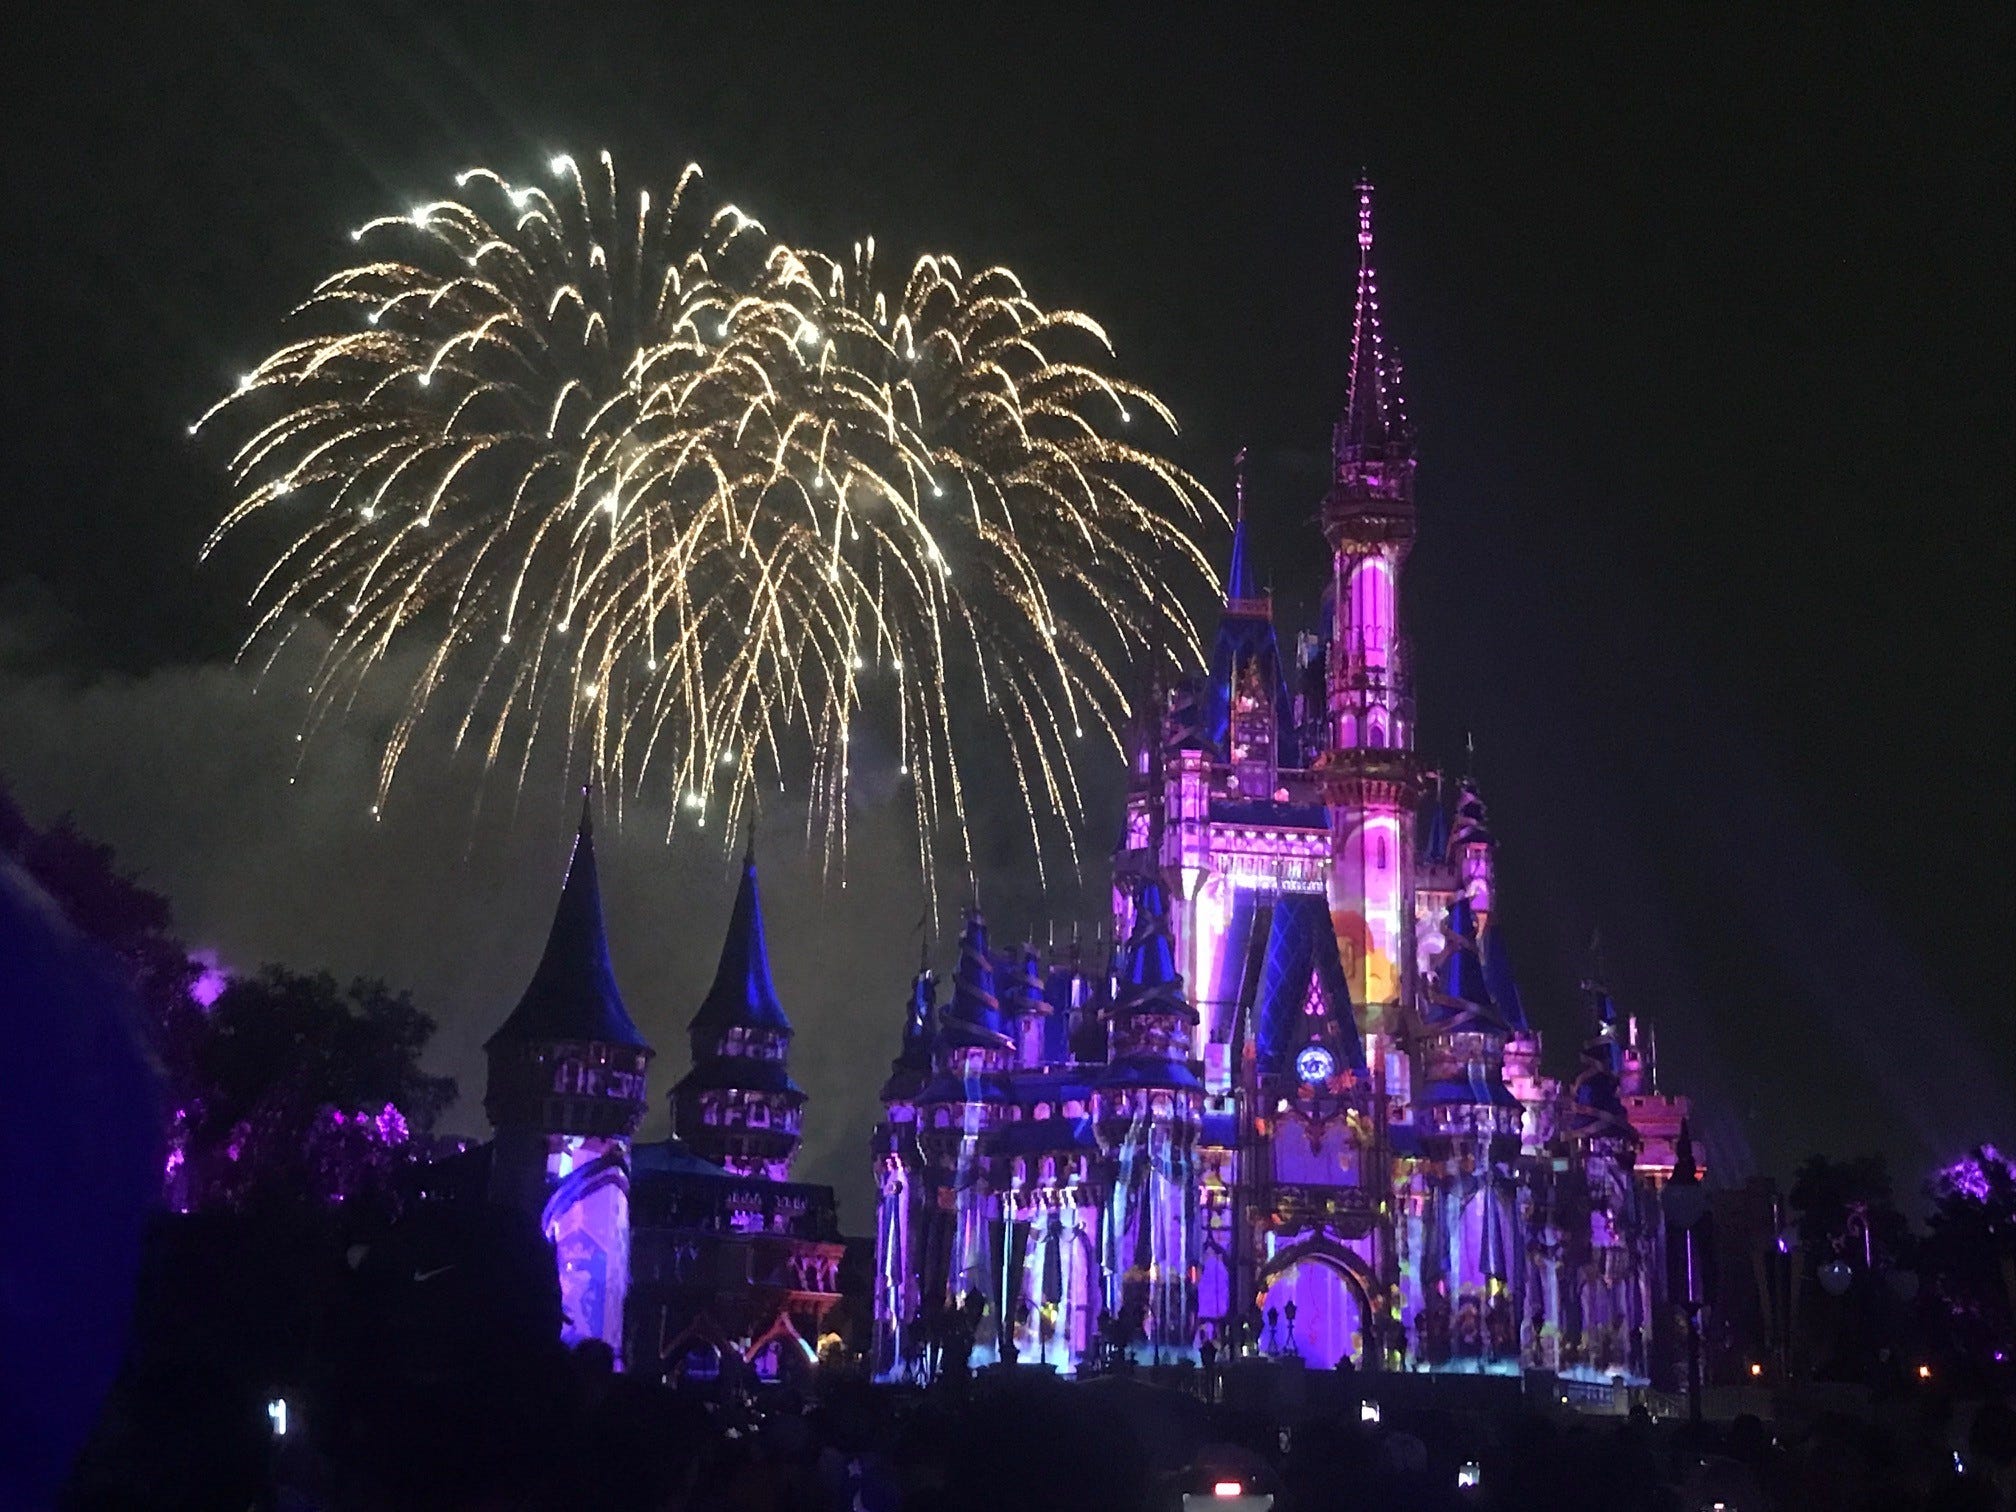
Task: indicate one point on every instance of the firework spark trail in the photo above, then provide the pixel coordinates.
(706, 499)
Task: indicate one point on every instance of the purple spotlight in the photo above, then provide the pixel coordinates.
(211, 978)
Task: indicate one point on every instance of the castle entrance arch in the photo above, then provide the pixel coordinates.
(1332, 1292)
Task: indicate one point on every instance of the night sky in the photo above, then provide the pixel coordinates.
(1706, 331)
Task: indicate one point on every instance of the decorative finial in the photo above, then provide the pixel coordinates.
(1365, 212)
(1239, 483)
(587, 811)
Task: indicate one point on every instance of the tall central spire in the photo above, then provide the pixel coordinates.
(1374, 424)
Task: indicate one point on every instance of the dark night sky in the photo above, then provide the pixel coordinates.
(1707, 331)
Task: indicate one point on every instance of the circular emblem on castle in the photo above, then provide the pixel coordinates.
(1315, 1064)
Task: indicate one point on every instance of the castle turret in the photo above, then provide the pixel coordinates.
(1147, 1104)
(902, 1188)
(1472, 850)
(958, 1111)
(738, 1106)
(1596, 1117)
(565, 1092)
(1248, 716)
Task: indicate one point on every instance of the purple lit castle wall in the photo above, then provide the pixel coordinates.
(1299, 1108)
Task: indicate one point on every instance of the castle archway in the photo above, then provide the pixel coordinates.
(1332, 1291)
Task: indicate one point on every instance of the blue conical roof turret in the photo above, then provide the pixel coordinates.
(743, 995)
(573, 996)
(1463, 990)
(912, 1066)
(973, 1017)
(1148, 981)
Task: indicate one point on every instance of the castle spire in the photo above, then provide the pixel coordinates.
(743, 994)
(1246, 676)
(738, 1105)
(1239, 590)
(1374, 424)
(573, 997)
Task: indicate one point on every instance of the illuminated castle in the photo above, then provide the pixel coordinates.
(1299, 1107)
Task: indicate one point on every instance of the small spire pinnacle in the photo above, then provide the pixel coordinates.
(1239, 589)
(587, 826)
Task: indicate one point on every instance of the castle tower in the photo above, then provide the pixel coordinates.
(1471, 1251)
(1373, 780)
(738, 1106)
(565, 1092)
(1147, 1104)
(1247, 716)
(1606, 1302)
(958, 1114)
(903, 1193)
(1032, 1010)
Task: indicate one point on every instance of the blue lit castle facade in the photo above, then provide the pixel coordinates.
(1298, 1107)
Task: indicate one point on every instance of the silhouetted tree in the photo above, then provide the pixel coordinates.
(301, 1089)
(1970, 1256)
(284, 1087)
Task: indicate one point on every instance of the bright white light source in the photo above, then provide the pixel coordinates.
(418, 215)
(244, 382)
(693, 800)
(561, 163)
(1368, 1412)
(611, 501)
(591, 690)
(276, 1410)
(425, 379)
(1226, 1490)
